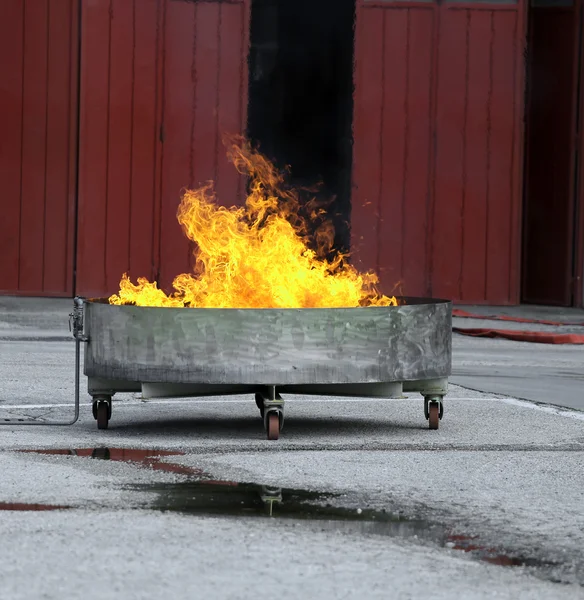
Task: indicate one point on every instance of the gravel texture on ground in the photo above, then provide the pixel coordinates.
(506, 471)
(135, 555)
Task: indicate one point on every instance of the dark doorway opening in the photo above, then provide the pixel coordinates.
(550, 236)
(301, 96)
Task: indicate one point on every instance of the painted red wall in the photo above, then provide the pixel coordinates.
(38, 118)
(161, 80)
(437, 165)
(437, 149)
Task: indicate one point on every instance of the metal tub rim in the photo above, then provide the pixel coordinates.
(403, 301)
(269, 346)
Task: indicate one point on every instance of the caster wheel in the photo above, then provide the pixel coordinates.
(103, 414)
(260, 403)
(434, 415)
(273, 425)
(102, 399)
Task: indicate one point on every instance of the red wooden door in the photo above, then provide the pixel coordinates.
(38, 115)
(548, 257)
(161, 81)
(118, 142)
(395, 52)
(437, 154)
(204, 95)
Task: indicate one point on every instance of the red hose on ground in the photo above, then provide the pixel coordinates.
(539, 337)
(457, 312)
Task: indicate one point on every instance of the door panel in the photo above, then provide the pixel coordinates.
(475, 234)
(38, 84)
(205, 74)
(394, 54)
(453, 228)
(162, 80)
(118, 142)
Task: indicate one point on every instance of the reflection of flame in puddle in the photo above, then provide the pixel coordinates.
(29, 507)
(490, 555)
(151, 459)
(204, 496)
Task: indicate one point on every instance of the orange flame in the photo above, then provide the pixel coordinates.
(260, 255)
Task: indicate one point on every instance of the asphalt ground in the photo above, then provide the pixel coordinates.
(500, 483)
(543, 373)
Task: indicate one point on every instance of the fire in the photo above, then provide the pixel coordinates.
(273, 252)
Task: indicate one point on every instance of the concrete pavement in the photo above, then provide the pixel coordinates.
(501, 479)
(544, 373)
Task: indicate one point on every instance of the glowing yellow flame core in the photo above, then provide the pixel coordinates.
(256, 256)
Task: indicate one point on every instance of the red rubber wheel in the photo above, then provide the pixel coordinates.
(434, 415)
(273, 426)
(102, 415)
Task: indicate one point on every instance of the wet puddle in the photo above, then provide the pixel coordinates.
(201, 495)
(212, 498)
(150, 459)
(205, 497)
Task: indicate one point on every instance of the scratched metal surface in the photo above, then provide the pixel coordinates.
(269, 346)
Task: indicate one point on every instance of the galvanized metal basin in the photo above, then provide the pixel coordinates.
(274, 347)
